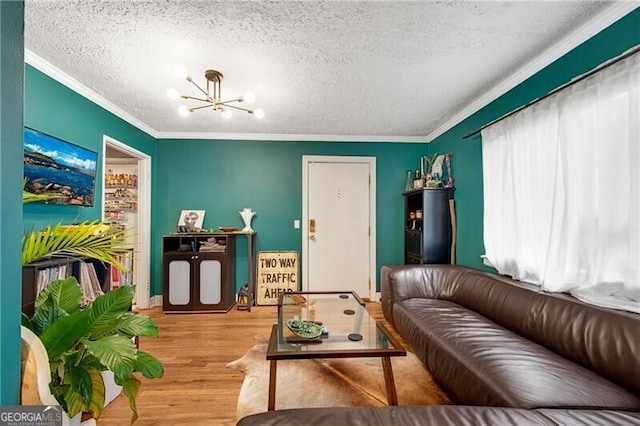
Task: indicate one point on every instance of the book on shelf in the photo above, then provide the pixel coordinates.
(89, 283)
(87, 278)
(119, 278)
(50, 274)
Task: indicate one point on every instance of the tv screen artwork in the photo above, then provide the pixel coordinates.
(63, 171)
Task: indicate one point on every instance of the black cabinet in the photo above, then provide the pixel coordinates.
(428, 234)
(197, 280)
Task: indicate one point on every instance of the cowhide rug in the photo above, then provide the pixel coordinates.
(331, 382)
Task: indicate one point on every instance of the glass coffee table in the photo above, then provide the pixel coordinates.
(329, 325)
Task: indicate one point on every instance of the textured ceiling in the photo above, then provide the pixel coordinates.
(380, 69)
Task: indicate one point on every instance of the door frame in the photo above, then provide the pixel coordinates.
(142, 253)
(371, 161)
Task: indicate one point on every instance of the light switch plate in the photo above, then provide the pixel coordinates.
(296, 224)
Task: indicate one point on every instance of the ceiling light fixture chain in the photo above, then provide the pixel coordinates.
(212, 95)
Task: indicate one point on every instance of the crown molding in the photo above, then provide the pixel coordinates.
(289, 137)
(591, 28)
(73, 84)
(63, 78)
(564, 46)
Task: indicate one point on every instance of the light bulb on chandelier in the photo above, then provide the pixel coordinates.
(184, 110)
(212, 96)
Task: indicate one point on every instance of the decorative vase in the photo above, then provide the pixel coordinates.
(246, 214)
(408, 184)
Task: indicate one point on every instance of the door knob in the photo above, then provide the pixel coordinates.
(312, 238)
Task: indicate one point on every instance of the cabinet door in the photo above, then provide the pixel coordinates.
(413, 243)
(178, 278)
(437, 227)
(211, 282)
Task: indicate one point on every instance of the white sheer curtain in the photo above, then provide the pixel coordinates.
(561, 190)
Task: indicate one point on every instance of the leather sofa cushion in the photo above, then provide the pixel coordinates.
(438, 415)
(397, 416)
(478, 362)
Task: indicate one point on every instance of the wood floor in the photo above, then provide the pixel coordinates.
(196, 388)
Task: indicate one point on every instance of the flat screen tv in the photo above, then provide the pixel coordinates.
(63, 171)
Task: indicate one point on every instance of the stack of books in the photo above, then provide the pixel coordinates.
(45, 276)
(213, 246)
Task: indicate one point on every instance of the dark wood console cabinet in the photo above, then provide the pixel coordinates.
(428, 239)
(195, 280)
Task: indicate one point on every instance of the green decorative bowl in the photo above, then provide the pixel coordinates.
(305, 329)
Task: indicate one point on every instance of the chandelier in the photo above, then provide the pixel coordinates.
(212, 96)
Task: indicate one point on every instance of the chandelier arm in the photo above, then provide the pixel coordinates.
(236, 107)
(202, 106)
(209, 101)
(202, 90)
(238, 99)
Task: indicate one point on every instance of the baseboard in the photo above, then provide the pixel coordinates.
(156, 301)
(378, 297)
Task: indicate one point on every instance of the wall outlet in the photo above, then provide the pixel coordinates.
(296, 224)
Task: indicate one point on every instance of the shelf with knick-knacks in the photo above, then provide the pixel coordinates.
(430, 228)
(120, 197)
(121, 180)
(434, 172)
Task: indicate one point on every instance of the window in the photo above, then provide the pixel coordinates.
(561, 189)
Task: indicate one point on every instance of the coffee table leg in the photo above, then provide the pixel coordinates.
(272, 386)
(392, 396)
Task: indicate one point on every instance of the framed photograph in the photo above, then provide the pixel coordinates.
(191, 218)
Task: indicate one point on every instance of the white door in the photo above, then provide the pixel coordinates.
(338, 238)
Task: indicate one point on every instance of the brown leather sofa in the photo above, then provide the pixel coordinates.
(505, 351)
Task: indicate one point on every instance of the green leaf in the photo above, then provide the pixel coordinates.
(26, 322)
(91, 239)
(81, 387)
(131, 325)
(130, 387)
(45, 315)
(73, 402)
(117, 353)
(98, 391)
(59, 390)
(66, 294)
(149, 366)
(107, 309)
(62, 334)
(90, 361)
(30, 197)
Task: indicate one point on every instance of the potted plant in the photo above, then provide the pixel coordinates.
(84, 341)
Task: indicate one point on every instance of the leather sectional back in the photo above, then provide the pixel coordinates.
(604, 340)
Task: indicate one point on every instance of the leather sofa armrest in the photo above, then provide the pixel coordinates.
(430, 281)
(400, 282)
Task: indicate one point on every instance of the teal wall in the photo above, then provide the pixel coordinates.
(223, 177)
(55, 109)
(11, 86)
(467, 153)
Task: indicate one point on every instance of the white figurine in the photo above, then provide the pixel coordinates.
(246, 214)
